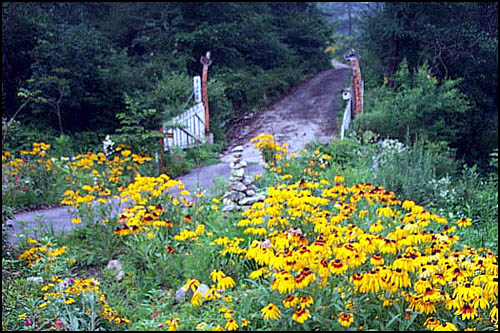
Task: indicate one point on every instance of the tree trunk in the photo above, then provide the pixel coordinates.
(349, 8)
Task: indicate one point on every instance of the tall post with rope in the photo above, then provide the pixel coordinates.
(206, 62)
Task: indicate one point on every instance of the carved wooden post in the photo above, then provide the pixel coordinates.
(357, 86)
(205, 61)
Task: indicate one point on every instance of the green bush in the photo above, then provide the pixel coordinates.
(409, 171)
(417, 106)
(469, 194)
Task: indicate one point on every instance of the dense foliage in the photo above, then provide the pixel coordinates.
(416, 106)
(458, 41)
(88, 63)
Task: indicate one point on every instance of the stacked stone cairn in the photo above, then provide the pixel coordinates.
(241, 194)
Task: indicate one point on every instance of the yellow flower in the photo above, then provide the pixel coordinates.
(467, 312)
(385, 211)
(467, 292)
(199, 229)
(301, 315)
(377, 260)
(76, 220)
(216, 275)
(197, 298)
(69, 300)
(226, 282)
(150, 235)
(432, 323)
(445, 326)
(462, 223)
(191, 283)
(338, 179)
(376, 228)
(271, 311)
(125, 153)
(231, 325)
(494, 314)
(345, 319)
(290, 301)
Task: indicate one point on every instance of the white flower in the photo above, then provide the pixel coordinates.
(107, 146)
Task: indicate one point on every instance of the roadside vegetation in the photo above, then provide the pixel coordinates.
(331, 247)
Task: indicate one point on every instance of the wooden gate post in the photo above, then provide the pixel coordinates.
(205, 61)
(357, 86)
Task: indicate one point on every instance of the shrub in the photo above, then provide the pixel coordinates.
(417, 106)
(409, 171)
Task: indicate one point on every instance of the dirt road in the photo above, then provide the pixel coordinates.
(307, 113)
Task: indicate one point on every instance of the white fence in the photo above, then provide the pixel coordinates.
(186, 130)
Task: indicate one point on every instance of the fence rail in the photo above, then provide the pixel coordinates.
(186, 130)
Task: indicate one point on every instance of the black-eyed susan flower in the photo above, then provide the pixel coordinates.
(462, 223)
(338, 267)
(376, 260)
(431, 295)
(69, 300)
(371, 282)
(376, 228)
(271, 311)
(345, 319)
(301, 315)
(284, 282)
(467, 311)
(400, 278)
(173, 323)
(467, 292)
(431, 323)
(217, 274)
(445, 326)
(197, 298)
(421, 285)
(231, 325)
(418, 304)
(356, 279)
(290, 301)
(192, 284)
(225, 282)
(306, 301)
(388, 246)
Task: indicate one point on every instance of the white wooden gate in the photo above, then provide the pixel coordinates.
(186, 130)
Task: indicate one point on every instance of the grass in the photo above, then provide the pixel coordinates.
(299, 261)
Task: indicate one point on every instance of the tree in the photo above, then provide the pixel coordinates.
(457, 40)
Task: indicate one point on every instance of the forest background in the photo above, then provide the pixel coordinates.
(74, 72)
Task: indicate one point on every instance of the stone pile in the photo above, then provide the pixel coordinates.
(241, 192)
